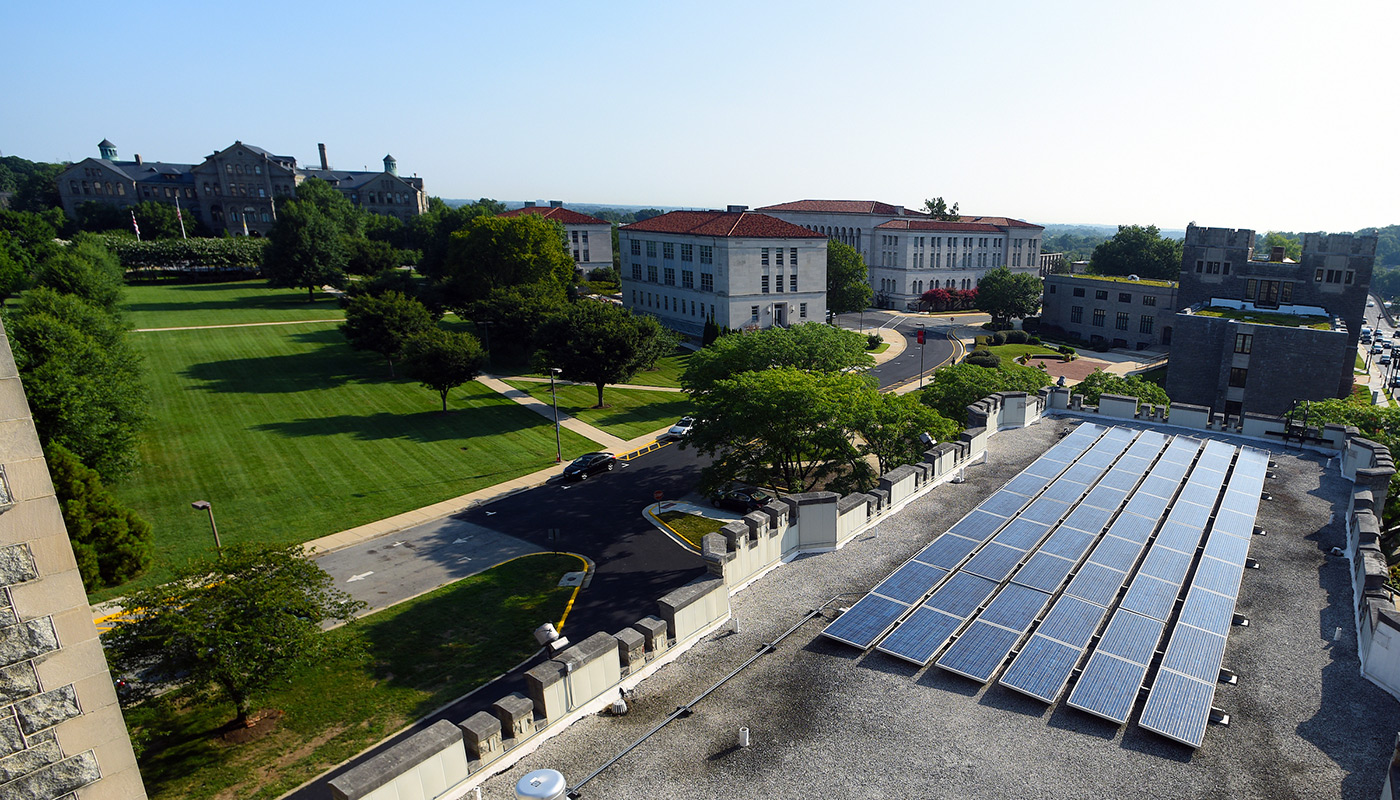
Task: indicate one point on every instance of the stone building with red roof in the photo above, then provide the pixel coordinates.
(589, 238)
(740, 268)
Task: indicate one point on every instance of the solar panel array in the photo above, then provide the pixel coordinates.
(983, 588)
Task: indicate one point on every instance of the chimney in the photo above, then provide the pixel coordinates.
(556, 203)
(322, 148)
(138, 159)
(1276, 254)
(734, 209)
(529, 203)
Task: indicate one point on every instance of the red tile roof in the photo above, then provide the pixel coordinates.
(733, 224)
(1005, 222)
(558, 214)
(938, 225)
(844, 207)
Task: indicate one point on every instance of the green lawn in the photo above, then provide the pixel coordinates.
(1268, 318)
(414, 657)
(1013, 351)
(171, 305)
(691, 527)
(292, 435)
(667, 373)
(630, 412)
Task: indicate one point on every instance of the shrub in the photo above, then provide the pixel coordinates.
(1017, 337)
(1030, 324)
(873, 340)
(1067, 350)
(110, 542)
(984, 358)
(1033, 340)
(999, 338)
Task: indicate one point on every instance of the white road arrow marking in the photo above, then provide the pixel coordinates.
(359, 577)
(464, 559)
(463, 539)
(396, 544)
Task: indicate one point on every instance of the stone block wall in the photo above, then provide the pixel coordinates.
(1377, 618)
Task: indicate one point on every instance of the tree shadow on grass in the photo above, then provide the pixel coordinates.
(651, 415)
(218, 299)
(424, 427)
(332, 364)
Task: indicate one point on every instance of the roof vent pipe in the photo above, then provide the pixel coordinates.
(542, 784)
(743, 737)
(733, 209)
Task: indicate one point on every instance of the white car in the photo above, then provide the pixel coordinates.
(681, 428)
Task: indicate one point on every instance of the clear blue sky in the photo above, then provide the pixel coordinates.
(1271, 115)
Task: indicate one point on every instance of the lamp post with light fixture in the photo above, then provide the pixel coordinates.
(205, 505)
(558, 449)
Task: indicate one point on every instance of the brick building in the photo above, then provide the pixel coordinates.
(1137, 314)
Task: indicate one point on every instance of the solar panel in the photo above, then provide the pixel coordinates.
(1071, 621)
(977, 525)
(1179, 537)
(1105, 497)
(1190, 514)
(1088, 519)
(1082, 473)
(1133, 527)
(1131, 637)
(1146, 505)
(946, 551)
(1022, 534)
(863, 623)
(1218, 576)
(1195, 652)
(1045, 510)
(1181, 451)
(1159, 486)
(1207, 610)
(921, 635)
(1044, 572)
(1234, 520)
(1230, 549)
(994, 561)
(1067, 543)
(1115, 553)
(1097, 584)
(961, 595)
(910, 582)
(1041, 669)
(1116, 434)
(1065, 491)
(1200, 494)
(1119, 479)
(1178, 707)
(1014, 607)
(1214, 462)
(1004, 503)
(1044, 467)
(1108, 687)
(1169, 565)
(1137, 459)
(979, 651)
(1151, 597)
(1025, 484)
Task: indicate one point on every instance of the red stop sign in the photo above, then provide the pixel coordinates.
(657, 495)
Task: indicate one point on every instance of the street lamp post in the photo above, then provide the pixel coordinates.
(205, 505)
(558, 449)
(486, 334)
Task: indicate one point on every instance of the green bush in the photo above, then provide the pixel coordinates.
(1033, 340)
(240, 253)
(984, 358)
(1067, 350)
(873, 340)
(110, 542)
(998, 338)
(1031, 324)
(1017, 337)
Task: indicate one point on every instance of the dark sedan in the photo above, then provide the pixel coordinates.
(590, 464)
(741, 500)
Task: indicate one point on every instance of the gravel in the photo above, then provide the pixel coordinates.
(829, 721)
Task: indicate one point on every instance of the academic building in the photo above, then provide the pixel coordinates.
(1123, 313)
(741, 269)
(589, 238)
(908, 253)
(234, 190)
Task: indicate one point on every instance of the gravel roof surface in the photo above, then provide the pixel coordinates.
(829, 721)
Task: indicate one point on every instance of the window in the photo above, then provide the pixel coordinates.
(670, 276)
(763, 285)
(1079, 291)
(779, 255)
(707, 282)
(1243, 343)
(1076, 314)
(585, 254)
(1149, 299)
(687, 279)
(1145, 324)
(1251, 288)
(1099, 315)
(651, 272)
(1237, 376)
(802, 310)
(753, 312)
(636, 247)
(1101, 294)
(1318, 277)
(585, 237)
(636, 272)
(1121, 323)
(792, 283)
(763, 257)
(1200, 266)
(668, 250)
(1285, 292)
(1124, 297)
(651, 249)
(1052, 288)
(792, 257)
(575, 235)
(707, 254)
(1350, 274)
(687, 251)
(1226, 268)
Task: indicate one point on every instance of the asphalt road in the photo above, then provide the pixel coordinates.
(937, 346)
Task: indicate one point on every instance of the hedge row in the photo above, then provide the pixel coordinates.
(235, 253)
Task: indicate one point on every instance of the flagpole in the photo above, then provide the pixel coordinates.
(135, 226)
(180, 216)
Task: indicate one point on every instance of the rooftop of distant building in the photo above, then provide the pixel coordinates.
(728, 224)
(558, 213)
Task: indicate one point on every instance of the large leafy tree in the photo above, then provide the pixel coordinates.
(511, 317)
(111, 543)
(382, 323)
(236, 625)
(891, 425)
(1291, 244)
(442, 360)
(431, 232)
(1140, 251)
(956, 387)
(808, 346)
(347, 218)
(1100, 383)
(306, 249)
(781, 427)
(1008, 295)
(847, 279)
(598, 343)
(494, 253)
(936, 208)
(85, 268)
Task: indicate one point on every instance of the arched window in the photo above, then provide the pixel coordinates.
(73, 187)
(121, 190)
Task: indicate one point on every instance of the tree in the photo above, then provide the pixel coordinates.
(1100, 383)
(782, 426)
(891, 425)
(1292, 246)
(647, 213)
(597, 343)
(431, 232)
(85, 268)
(382, 323)
(807, 346)
(847, 279)
(501, 252)
(368, 257)
(657, 342)
(305, 250)
(514, 315)
(959, 386)
(1135, 250)
(442, 360)
(1006, 295)
(347, 218)
(937, 209)
(238, 623)
(111, 543)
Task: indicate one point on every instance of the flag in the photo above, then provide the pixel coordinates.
(180, 216)
(273, 200)
(245, 224)
(134, 225)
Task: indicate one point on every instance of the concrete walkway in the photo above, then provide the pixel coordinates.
(562, 382)
(607, 440)
(650, 514)
(237, 325)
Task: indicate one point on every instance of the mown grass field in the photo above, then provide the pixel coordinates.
(292, 435)
(1013, 351)
(172, 305)
(666, 375)
(630, 412)
(411, 659)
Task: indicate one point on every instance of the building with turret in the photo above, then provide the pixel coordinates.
(234, 190)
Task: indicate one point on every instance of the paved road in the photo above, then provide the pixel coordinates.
(936, 349)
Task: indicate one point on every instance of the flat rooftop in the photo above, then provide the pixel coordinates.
(827, 719)
(1268, 317)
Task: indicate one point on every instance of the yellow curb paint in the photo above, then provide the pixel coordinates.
(587, 568)
(674, 533)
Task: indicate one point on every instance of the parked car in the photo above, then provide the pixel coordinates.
(1395, 382)
(742, 500)
(1376, 349)
(1395, 334)
(681, 428)
(1385, 360)
(590, 464)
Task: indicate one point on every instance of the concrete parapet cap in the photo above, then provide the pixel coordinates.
(691, 593)
(972, 432)
(588, 650)
(513, 706)
(479, 727)
(811, 498)
(650, 627)
(851, 501)
(897, 474)
(630, 639)
(1191, 407)
(546, 674)
(880, 496)
(395, 761)
(777, 512)
(715, 547)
